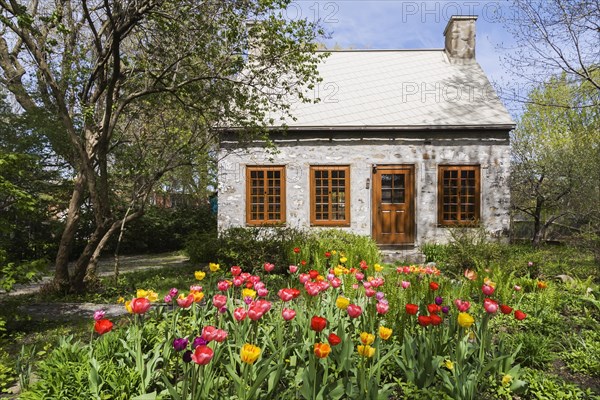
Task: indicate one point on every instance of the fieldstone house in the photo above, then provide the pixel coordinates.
(402, 145)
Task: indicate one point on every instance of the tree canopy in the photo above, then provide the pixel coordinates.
(139, 88)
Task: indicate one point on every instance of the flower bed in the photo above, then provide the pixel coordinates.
(333, 331)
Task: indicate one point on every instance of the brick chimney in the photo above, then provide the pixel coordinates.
(460, 39)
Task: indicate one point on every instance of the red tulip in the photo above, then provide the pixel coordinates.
(313, 274)
(435, 319)
(185, 302)
(296, 250)
(140, 305)
(354, 310)
(424, 320)
(412, 309)
(462, 306)
(433, 308)
(318, 323)
(103, 326)
(235, 270)
(520, 315)
(327, 254)
(334, 339)
(434, 286)
(202, 355)
(505, 309)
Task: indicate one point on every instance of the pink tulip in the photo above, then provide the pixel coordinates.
(517, 288)
(354, 310)
(336, 282)
(269, 267)
(237, 281)
(219, 300)
(202, 355)
(185, 302)
(376, 282)
(405, 284)
(359, 276)
(223, 285)
(490, 306)
(370, 292)
(209, 333)
(240, 313)
(293, 269)
(487, 290)
(303, 278)
(312, 288)
(220, 336)
(288, 314)
(462, 306)
(140, 305)
(262, 292)
(99, 314)
(382, 307)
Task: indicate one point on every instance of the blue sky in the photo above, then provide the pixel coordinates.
(400, 24)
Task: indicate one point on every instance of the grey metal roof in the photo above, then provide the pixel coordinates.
(400, 89)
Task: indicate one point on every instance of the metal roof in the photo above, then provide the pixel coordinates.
(400, 89)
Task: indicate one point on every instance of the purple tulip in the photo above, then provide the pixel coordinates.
(445, 309)
(187, 356)
(199, 342)
(439, 300)
(180, 344)
(99, 314)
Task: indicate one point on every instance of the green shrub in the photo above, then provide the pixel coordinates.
(355, 248)
(251, 247)
(202, 247)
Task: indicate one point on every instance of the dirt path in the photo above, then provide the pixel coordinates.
(67, 311)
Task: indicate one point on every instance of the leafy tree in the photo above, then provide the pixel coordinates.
(555, 37)
(140, 88)
(29, 190)
(556, 151)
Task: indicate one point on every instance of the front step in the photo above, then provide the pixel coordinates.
(402, 255)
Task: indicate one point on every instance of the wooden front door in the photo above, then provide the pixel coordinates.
(393, 204)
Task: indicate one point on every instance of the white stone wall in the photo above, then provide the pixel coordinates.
(360, 155)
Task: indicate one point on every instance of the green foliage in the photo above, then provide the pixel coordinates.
(583, 353)
(8, 375)
(545, 386)
(251, 247)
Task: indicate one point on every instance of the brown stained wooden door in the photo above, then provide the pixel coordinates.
(393, 204)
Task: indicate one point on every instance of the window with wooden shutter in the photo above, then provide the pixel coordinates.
(459, 195)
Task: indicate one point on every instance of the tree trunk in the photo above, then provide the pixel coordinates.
(77, 283)
(538, 227)
(61, 274)
(92, 266)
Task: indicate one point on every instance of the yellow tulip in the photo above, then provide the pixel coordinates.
(384, 332)
(465, 320)
(120, 300)
(249, 353)
(246, 292)
(343, 259)
(199, 275)
(141, 293)
(449, 364)
(214, 267)
(506, 380)
(378, 268)
(198, 296)
(367, 338)
(128, 306)
(337, 271)
(342, 303)
(152, 296)
(365, 351)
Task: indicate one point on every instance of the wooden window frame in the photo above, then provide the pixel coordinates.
(266, 220)
(477, 196)
(313, 194)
